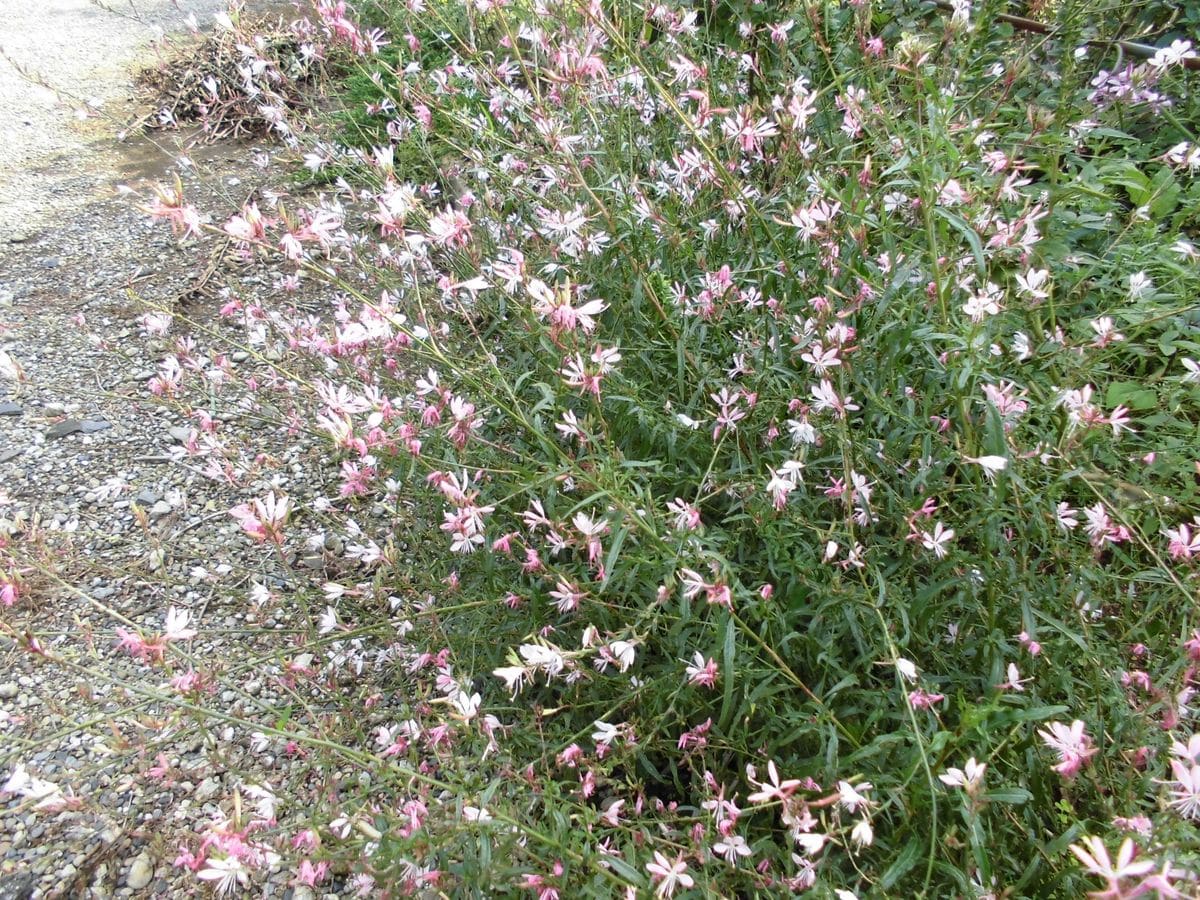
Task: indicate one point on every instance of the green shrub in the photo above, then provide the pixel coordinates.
(809, 397)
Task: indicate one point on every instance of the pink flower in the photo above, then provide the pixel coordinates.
(450, 228)
(702, 672)
(1072, 744)
(264, 519)
(312, 875)
(686, 516)
(774, 789)
(1095, 858)
(920, 699)
(140, 648)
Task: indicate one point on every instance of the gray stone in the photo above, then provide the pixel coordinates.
(8, 690)
(180, 433)
(64, 428)
(19, 885)
(11, 453)
(160, 509)
(208, 789)
(147, 497)
(91, 426)
(141, 873)
(7, 408)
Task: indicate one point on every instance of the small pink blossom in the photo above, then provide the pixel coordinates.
(1071, 743)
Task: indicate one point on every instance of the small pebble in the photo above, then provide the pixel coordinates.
(141, 873)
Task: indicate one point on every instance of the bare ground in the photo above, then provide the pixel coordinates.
(85, 454)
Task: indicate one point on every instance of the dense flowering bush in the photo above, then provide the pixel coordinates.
(789, 414)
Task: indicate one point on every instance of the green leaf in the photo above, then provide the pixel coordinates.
(1015, 795)
(1133, 394)
(908, 858)
(1165, 192)
(1035, 713)
(625, 870)
(959, 224)
(727, 711)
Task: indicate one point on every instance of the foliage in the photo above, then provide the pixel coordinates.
(808, 397)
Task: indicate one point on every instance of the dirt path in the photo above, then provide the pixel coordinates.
(88, 460)
(51, 161)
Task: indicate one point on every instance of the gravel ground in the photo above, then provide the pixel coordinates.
(50, 161)
(87, 462)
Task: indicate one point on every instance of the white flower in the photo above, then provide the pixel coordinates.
(625, 652)
(605, 733)
(329, 620)
(1015, 681)
(1096, 860)
(466, 704)
(991, 464)
(1189, 751)
(1139, 285)
(10, 367)
(851, 798)
(802, 431)
(1193, 371)
(1185, 249)
(1173, 55)
(266, 801)
(983, 304)
(1185, 789)
(156, 323)
(811, 843)
(863, 834)
(176, 625)
(969, 777)
(1184, 154)
(513, 677)
(938, 540)
(1033, 283)
(1065, 516)
(907, 669)
(732, 847)
(476, 814)
(226, 873)
(543, 658)
(1021, 347)
(1106, 331)
(21, 782)
(669, 875)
